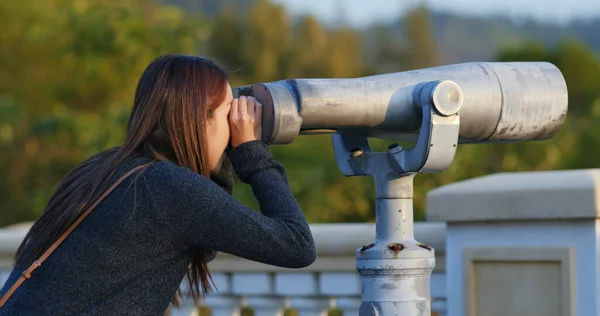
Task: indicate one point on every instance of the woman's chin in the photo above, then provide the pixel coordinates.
(216, 169)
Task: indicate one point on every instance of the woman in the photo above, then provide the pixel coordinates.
(166, 221)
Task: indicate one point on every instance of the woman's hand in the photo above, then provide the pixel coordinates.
(245, 118)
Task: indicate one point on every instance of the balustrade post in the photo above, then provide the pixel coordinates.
(267, 306)
(222, 305)
(349, 305)
(186, 308)
(309, 306)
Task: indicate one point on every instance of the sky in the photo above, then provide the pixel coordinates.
(364, 12)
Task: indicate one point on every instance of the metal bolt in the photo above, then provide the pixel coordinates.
(394, 148)
(396, 247)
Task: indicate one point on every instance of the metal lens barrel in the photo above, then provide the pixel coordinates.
(516, 101)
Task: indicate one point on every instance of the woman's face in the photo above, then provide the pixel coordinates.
(218, 133)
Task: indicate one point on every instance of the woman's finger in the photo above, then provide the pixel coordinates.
(233, 112)
(258, 111)
(251, 105)
(242, 106)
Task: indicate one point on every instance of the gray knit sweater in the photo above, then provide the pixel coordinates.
(129, 256)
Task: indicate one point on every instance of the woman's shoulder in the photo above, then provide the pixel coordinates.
(174, 186)
(167, 173)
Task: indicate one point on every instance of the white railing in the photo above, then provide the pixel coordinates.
(331, 282)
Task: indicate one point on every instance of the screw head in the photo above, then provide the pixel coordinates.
(394, 148)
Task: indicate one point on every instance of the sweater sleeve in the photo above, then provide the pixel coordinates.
(201, 214)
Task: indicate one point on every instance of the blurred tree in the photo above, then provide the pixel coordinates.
(267, 50)
(579, 139)
(422, 51)
(386, 53)
(68, 70)
(345, 54)
(411, 44)
(309, 48)
(254, 48)
(209, 8)
(226, 40)
(581, 68)
(67, 75)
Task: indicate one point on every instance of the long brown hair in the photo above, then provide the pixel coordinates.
(175, 97)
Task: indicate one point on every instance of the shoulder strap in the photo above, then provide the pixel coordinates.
(37, 263)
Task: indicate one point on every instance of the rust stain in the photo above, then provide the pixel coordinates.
(396, 248)
(369, 246)
(424, 246)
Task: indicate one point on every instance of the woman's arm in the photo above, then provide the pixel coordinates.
(201, 214)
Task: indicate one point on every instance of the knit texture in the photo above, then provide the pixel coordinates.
(130, 255)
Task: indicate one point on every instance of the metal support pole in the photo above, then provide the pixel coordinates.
(395, 268)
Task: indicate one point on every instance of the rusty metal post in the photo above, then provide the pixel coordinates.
(395, 268)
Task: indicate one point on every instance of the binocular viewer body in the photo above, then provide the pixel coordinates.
(498, 102)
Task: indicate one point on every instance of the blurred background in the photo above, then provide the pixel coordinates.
(68, 70)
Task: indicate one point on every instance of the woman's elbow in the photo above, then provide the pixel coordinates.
(310, 256)
(300, 250)
(305, 257)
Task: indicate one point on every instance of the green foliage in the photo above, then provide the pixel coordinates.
(417, 29)
(68, 70)
(578, 141)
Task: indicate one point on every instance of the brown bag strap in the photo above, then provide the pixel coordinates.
(37, 263)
